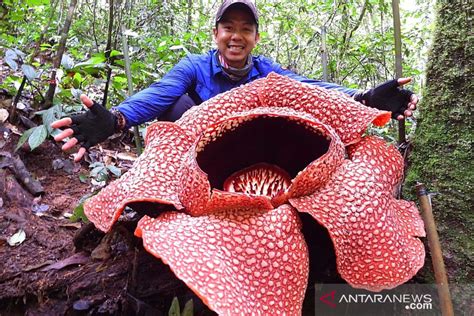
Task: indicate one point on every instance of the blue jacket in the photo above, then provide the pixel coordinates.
(201, 77)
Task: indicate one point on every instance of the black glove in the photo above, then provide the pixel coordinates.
(388, 96)
(94, 126)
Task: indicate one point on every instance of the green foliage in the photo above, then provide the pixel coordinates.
(359, 40)
(78, 213)
(102, 172)
(37, 135)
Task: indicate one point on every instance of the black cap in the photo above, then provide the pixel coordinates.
(227, 3)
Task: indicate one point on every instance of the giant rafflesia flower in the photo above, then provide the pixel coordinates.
(236, 170)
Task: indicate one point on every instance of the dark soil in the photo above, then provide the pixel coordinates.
(109, 276)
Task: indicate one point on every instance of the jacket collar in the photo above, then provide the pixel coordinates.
(216, 69)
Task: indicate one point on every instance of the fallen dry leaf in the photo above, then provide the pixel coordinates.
(17, 238)
(78, 258)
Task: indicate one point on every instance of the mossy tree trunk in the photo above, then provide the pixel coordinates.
(442, 155)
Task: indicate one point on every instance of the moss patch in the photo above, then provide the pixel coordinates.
(442, 155)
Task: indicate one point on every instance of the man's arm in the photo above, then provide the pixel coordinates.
(288, 73)
(97, 124)
(151, 102)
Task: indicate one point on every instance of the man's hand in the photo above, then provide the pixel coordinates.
(87, 129)
(389, 96)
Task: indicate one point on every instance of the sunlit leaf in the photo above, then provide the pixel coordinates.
(33, 3)
(3, 115)
(175, 47)
(10, 53)
(130, 33)
(19, 53)
(76, 93)
(29, 72)
(67, 62)
(96, 59)
(77, 80)
(114, 53)
(115, 171)
(10, 57)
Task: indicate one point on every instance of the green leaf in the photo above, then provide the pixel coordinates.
(115, 171)
(96, 164)
(188, 309)
(76, 93)
(114, 53)
(10, 57)
(174, 309)
(96, 61)
(67, 62)
(37, 137)
(24, 138)
(83, 178)
(45, 46)
(78, 213)
(77, 80)
(99, 169)
(33, 3)
(29, 72)
(120, 79)
(50, 115)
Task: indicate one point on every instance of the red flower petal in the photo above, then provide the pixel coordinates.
(239, 262)
(348, 117)
(153, 177)
(199, 118)
(373, 233)
(383, 158)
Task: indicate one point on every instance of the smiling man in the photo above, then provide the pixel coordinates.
(236, 34)
(197, 78)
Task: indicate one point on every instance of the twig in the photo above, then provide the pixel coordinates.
(16, 165)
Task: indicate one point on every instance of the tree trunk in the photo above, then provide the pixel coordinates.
(57, 60)
(442, 152)
(108, 49)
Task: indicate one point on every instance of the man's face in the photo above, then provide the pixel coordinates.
(236, 35)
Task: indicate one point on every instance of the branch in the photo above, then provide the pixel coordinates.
(61, 47)
(108, 49)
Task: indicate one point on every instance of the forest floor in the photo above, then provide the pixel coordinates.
(52, 272)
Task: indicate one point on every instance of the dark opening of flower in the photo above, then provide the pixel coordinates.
(256, 155)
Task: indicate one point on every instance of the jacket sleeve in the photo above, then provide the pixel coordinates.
(285, 72)
(151, 102)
